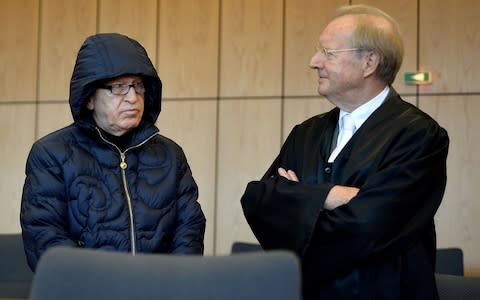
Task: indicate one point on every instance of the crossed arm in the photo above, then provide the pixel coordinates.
(338, 195)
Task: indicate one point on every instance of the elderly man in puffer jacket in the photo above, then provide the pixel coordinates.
(110, 180)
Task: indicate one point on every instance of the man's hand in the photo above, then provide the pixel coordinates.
(290, 175)
(340, 195)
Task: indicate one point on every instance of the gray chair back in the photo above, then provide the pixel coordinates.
(449, 261)
(452, 287)
(242, 247)
(74, 274)
(15, 275)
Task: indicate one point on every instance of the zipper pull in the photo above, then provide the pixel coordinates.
(123, 164)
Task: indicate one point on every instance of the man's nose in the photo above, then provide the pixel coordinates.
(131, 95)
(316, 60)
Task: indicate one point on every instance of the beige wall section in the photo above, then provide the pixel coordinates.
(251, 48)
(297, 110)
(188, 48)
(192, 124)
(249, 139)
(449, 42)
(304, 20)
(16, 137)
(229, 105)
(137, 19)
(18, 69)
(449, 45)
(52, 116)
(64, 26)
(457, 218)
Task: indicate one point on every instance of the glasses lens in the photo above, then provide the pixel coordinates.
(123, 89)
(120, 89)
(139, 87)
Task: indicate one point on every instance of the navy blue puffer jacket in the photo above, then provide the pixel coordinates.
(82, 190)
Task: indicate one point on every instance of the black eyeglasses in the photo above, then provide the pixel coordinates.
(121, 89)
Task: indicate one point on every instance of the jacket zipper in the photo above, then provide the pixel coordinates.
(123, 167)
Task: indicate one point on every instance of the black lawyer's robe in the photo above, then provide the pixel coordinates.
(381, 245)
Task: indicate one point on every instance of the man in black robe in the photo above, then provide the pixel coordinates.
(361, 222)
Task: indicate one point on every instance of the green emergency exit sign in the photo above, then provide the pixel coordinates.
(417, 78)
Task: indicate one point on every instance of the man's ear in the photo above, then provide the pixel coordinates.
(90, 104)
(372, 60)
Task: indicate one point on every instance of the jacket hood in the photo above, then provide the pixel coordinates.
(108, 55)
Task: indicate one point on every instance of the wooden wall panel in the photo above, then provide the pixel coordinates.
(304, 21)
(457, 218)
(18, 44)
(192, 125)
(64, 27)
(136, 19)
(52, 116)
(449, 43)
(188, 48)
(249, 141)
(405, 12)
(17, 126)
(251, 48)
(297, 110)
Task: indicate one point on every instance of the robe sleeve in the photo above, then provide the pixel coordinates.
(281, 213)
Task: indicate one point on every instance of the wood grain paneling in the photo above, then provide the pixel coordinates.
(188, 48)
(192, 124)
(64, 27)
(52, 116)
(304, 21)
(18, 44)
(449, 43)
(298, 110)
(136, 19)
(249, 140)
(405, 13)
(457, 218)
(251, 48)
(17, 127)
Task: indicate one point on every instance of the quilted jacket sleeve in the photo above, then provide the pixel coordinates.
(190, 229)
(43, 215)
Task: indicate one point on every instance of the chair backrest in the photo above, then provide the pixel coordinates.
(452, 287)
(242, 247)
(15, 275)
(449, 261)
(69, 273)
